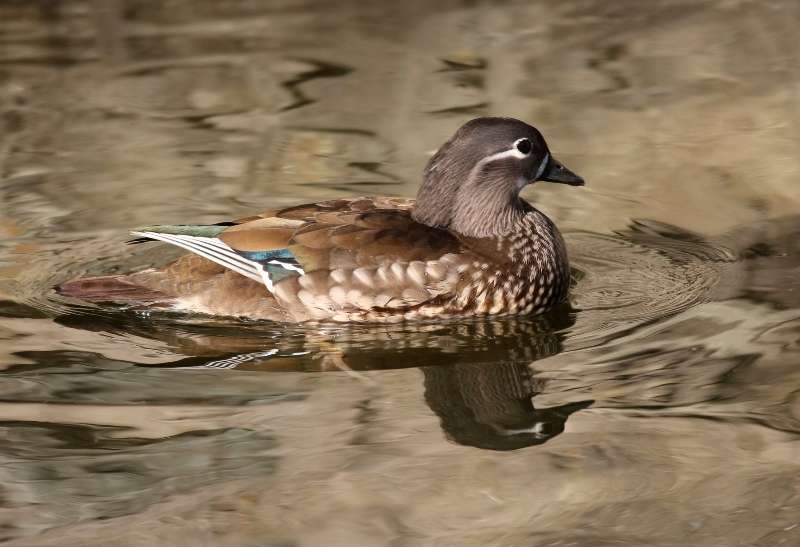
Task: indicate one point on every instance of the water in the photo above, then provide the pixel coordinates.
(660, 407)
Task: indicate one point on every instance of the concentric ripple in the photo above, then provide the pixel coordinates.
(646, 273)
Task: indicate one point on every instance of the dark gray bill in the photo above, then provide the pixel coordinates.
(555, 172)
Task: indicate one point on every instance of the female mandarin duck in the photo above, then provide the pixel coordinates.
(469, 245)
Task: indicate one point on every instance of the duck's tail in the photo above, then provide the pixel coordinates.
(109, 288)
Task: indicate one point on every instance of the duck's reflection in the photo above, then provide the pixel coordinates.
(491, 406)
(477, 374)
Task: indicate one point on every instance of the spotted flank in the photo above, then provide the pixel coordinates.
(267, 267)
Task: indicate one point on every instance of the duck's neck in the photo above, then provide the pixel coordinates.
(489, 214)
(474, 200)
(484, 212)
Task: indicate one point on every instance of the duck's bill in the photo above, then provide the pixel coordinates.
(556, 172)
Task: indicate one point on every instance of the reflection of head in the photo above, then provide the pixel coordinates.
(489, 405)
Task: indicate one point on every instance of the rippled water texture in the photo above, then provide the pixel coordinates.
(660, 407)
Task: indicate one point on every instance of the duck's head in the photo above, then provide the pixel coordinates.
(472, 184)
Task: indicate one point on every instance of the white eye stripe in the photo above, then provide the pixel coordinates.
(514, 153)
(511, 153)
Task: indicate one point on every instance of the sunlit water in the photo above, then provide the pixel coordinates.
(660, 407)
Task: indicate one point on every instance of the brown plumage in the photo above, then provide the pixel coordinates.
(469, 245)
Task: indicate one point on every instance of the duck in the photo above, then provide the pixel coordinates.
(468, 245)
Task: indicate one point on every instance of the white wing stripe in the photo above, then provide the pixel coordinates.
(288, 266)
(222, 251)
(212, 249)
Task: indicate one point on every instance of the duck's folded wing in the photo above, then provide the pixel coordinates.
(344, 254)
(211, 248)
(342, 234)
(266, 263)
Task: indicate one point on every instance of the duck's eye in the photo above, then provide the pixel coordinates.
(524, 146)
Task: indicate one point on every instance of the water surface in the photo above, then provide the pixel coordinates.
(659, 407)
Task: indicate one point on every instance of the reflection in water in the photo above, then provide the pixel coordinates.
(477, 373)
(318, 69)
(227, 343)
(490, 406)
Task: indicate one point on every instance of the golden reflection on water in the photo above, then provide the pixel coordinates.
(661, 408)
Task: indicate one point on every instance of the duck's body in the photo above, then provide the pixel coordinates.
(467, 246)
